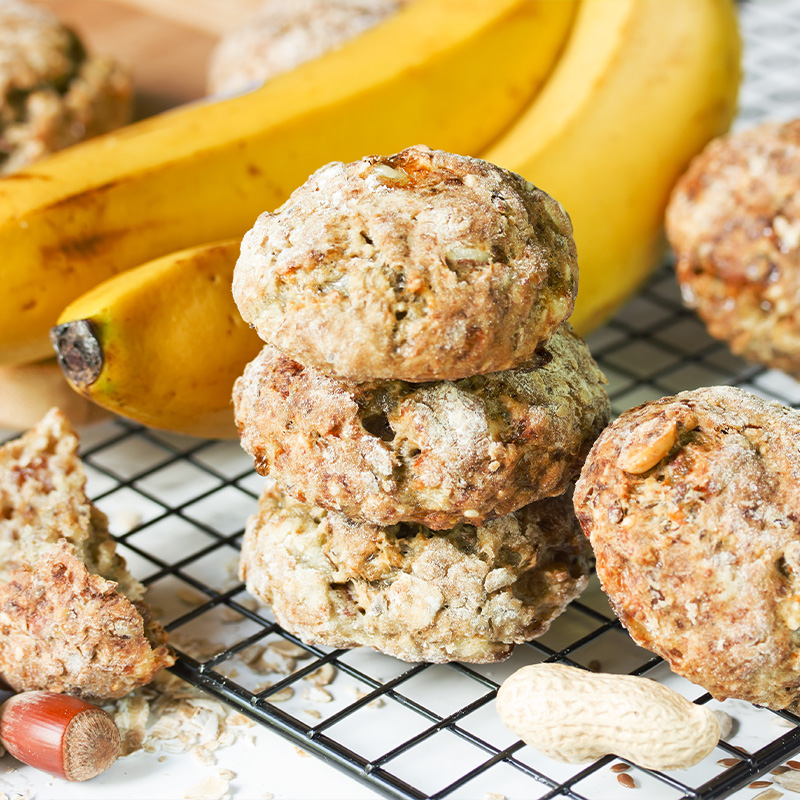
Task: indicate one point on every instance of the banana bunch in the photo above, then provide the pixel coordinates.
(450, 73)
(602, 103)
(641, 88)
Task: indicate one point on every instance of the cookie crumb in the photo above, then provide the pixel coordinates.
(210, 788)
(322, 676)
(316, 694)
(789, 780)
(287, 693)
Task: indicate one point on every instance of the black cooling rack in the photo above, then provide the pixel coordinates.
(178, 507)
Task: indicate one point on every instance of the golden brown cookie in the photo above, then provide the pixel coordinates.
(72, 618)
(734, 223)
(67, 630)
(691, 505)
(467, 594)
(52, 94)
(434, 453)
(282, 34)
(419, 266)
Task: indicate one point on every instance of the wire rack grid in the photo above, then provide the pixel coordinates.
(178, 506)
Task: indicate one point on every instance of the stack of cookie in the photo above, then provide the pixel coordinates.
(421, 404)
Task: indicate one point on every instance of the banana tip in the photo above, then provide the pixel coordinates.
(78, 351)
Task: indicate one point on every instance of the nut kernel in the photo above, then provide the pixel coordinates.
(646, 450)
(389, 174)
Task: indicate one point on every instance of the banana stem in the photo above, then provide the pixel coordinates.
(78, 351)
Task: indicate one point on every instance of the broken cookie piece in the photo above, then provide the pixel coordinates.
(72, 618)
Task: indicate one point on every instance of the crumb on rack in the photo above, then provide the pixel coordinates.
(212, 787)
(170, 716)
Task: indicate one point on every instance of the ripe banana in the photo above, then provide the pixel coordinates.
(162, 343)
(448, 73)
(640, 88)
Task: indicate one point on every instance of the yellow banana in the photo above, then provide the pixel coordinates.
(641, 87)
(162, 343)
(448, 73)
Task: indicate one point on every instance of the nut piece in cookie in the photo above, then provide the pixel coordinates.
(52, 93)
(466, 594)
(282, 34)
(72, 618)
(690, 503)
(435, 453)
(418, 266)
(734, 223)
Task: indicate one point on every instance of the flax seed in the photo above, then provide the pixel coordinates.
(626, 780)
(768, 794)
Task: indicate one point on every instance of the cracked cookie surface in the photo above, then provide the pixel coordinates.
(434, 453)
(691, 505)
(419, 266)
(466, 594)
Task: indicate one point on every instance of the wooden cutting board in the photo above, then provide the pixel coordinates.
(166, 43)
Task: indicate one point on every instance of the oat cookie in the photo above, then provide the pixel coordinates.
(419, 266)
(72, 618)
(734, 223)
(52, 94)
(434, 453)
(691, 504)
(283, 34)
(466, 594)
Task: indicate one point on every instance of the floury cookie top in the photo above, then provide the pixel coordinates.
(420, 266)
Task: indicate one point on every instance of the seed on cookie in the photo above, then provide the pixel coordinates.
(465, 594)
(437, 453)
(419, 266)
(700, 553)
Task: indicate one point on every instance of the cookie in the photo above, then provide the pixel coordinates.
(690, 503)
(467, 594)
(52, 93)
(734, 223)
(282, 34)
(436, 453)
(72, 617)
(65, 629)
(419, 266)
